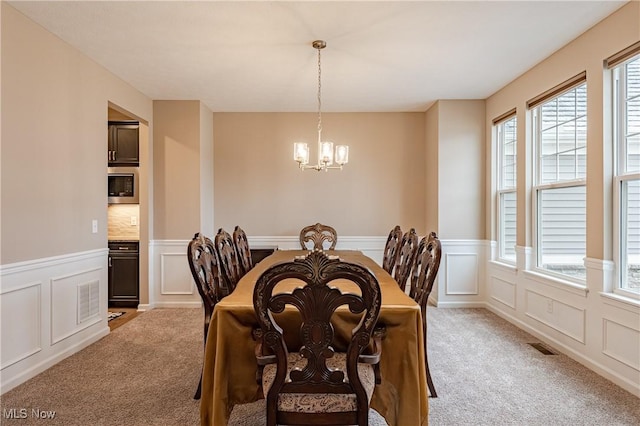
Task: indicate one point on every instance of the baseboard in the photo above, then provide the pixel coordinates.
(145, 307)
(7, 385)
(463, 304)
(598, 368)
(177, 305)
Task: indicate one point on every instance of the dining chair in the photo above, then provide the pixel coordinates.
(203, 263)
(391, 249)
(423, 275)
(242, 249)
(406, 256)
(229, 262)
(318, 234)
(318, 385)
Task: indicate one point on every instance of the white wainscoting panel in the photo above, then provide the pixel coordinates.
(621, 343)
(461, 273)
(64, 304)
(503, 291)
(20, 323)
(175, 276)
(39, 312)
(568, 320)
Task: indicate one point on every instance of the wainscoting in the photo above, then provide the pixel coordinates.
(597, 329)
(49, 309)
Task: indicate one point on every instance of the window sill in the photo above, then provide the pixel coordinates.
(568, 286)
(503, 265)
(621, 301)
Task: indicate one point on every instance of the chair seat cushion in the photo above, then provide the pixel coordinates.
(319, 402)
(255, 414)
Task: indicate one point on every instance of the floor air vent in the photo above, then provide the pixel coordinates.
(542, 348)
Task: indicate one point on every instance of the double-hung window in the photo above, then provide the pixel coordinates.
(559, 190)
(626, 114)
(505, 131)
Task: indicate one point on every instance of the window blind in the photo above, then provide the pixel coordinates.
(557, 90)
(504, 117)
(623, 55)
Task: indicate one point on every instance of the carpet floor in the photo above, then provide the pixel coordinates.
(485, 372)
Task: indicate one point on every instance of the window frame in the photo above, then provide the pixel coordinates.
(501, 190)
(537, 187)
(620, 177)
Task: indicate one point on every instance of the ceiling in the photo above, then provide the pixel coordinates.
(389, 56)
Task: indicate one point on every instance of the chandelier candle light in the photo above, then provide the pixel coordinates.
(326, 157)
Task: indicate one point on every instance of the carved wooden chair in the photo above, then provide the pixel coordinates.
(229, 262)
(391, 249)
(318, 234)
(406, 256)
(242, 250)
(203, 262)
(423, 275)
(318, 385)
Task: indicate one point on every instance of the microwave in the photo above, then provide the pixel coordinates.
(123, 185)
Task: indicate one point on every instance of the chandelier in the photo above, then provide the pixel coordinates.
(326, 155)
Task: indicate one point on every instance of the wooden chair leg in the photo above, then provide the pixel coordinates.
(432, 389)
(199, 390)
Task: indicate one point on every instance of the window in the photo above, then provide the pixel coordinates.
(560, 135)
(505, 134)
(626, 103)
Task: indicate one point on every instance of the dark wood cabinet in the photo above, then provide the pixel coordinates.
(124, 143)
(124, 274)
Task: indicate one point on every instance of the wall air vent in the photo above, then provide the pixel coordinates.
(88, 300)
(542, 348)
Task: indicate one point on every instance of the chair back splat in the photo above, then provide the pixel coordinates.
(317, 385)
(203, 263)
(423, 275)
(318, 234)
(406, 256)
(242, 249)
(392, 249)
(229, 263)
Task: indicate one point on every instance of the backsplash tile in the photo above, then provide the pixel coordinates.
(119, 218)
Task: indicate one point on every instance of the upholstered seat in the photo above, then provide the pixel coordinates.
(254, 414)
(322, 402)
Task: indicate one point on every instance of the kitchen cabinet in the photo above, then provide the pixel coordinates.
(124, 290)
(124, 143)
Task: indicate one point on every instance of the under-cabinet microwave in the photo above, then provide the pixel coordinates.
(123, 185)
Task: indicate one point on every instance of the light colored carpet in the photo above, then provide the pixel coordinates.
(486, 373)
(146, 372)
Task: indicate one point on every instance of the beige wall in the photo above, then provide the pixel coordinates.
(258, 186)
(181, 153)
(206, 171)
(176, 165)
(619, 30)
(455, 146)
(53, 165)
(431, 168)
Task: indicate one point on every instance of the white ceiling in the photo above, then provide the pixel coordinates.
(257, 56)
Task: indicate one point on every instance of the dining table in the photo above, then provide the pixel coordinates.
(229, 372)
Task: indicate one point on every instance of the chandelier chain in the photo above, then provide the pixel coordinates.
(319, 96)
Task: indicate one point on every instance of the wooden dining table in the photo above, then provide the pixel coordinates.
(230, 367)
